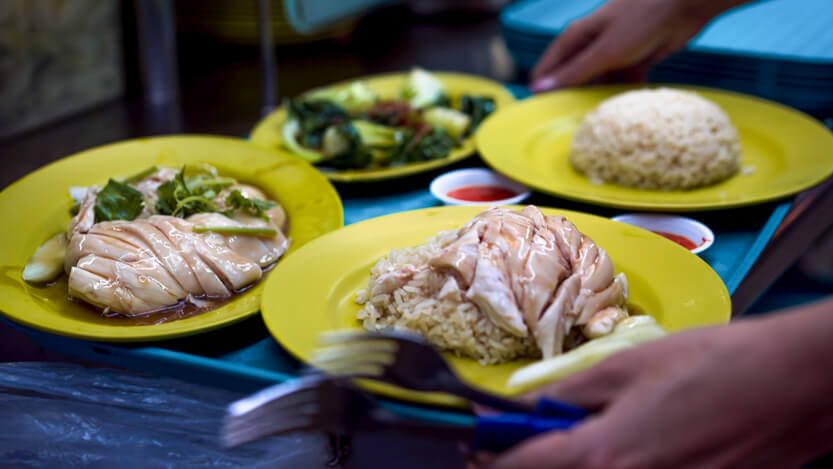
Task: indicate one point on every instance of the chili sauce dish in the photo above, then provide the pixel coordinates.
(687, 232)
(477, 186)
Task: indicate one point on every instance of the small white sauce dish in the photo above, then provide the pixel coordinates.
(445, 183)
(695, 231)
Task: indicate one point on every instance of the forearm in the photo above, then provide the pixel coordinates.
(705, 10)
(806, 330)
(797, 348)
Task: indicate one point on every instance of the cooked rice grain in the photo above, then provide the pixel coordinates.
(447, 319)
(656, 139)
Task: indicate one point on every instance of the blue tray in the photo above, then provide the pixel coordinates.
(243, 357)
(768, 30)
(776, 49)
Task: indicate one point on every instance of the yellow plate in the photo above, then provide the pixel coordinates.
(302, 299)
(268, 131)
(37, 206)
(530, 142)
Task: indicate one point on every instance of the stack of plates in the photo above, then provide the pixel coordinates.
(777, 49)
(235, 21)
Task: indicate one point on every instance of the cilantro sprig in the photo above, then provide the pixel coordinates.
(180, 197)
(118, 201)
(252, 205)
(183, 197)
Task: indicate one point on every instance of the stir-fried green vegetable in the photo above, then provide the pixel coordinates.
(314, 117)
(421, 90)
(433, 145)
(344, 149)
(118, 201)
(349, 128)
(359, 143)
(377, 136)
(355, 97)
(290, 132)
(455, 123)
(478, 108)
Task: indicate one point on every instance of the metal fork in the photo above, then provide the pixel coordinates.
(408, 361)
(301, 404)
(333, 405)
(324, 403)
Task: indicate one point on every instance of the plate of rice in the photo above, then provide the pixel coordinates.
(387, 272)
(671, 148)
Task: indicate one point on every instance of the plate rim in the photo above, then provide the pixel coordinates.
(436, 398)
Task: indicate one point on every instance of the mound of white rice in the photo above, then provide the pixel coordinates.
(443, 316)
(656, 139)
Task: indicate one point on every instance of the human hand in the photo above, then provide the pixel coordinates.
(622, 35)
(753, 394)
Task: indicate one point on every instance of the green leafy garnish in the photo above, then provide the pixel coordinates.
(183, 197)
(140, 175)
(237, 230)
(166, 204)
(237, 201)
(118, 201)
(176, 198)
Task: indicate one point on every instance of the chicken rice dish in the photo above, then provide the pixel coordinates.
(508, 284)
(162, 239)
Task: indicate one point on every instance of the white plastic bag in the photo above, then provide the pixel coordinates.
(58, 415)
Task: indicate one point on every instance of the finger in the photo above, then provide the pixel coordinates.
(599, 57)
(575, 37)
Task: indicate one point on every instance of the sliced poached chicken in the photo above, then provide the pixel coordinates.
(155, 262)
(533, 274)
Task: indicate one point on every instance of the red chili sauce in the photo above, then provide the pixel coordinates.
(681, 240)
(481, 193)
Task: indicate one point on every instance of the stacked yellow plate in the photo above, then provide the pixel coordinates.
(236, 22)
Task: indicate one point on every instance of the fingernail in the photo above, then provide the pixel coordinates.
(543, 84)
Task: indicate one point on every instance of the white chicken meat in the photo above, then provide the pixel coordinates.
(157, 261)
(531, 274)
